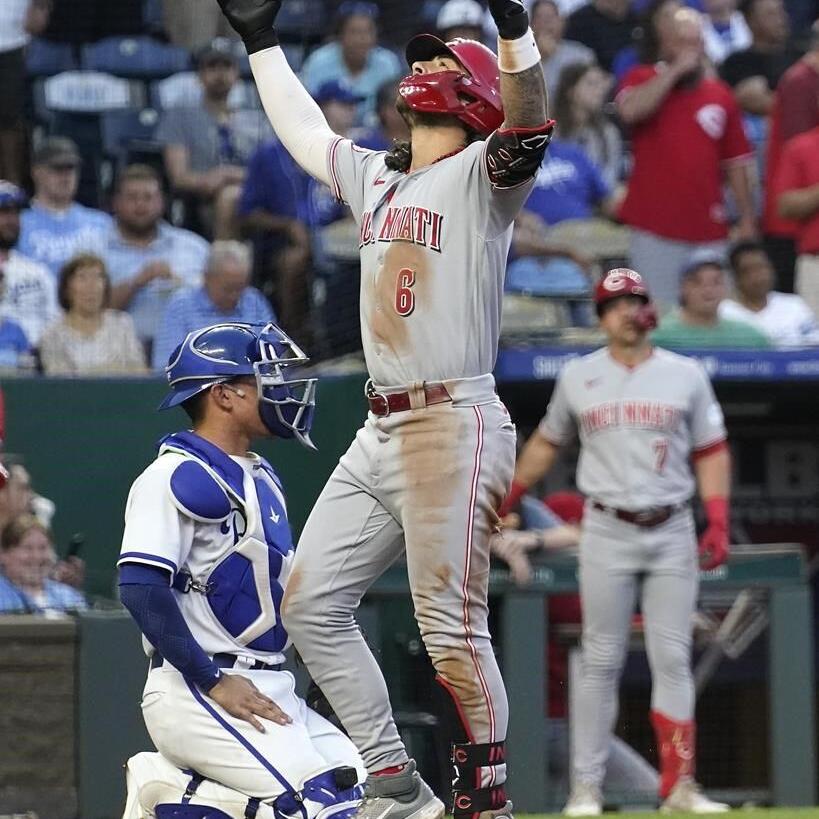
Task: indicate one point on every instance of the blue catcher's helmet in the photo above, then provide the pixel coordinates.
(225, 351)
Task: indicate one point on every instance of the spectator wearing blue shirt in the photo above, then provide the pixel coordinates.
(225, 296)
(56, 228)
(284, 209)
(27, 562)
(568, 186)
(148, 259)
(15, 349)
(29, 290)
(273, 213)
(354, 57)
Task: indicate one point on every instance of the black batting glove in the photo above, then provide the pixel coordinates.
(510, 17)
(253, 21)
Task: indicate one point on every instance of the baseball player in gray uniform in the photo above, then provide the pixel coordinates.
(429, 468)
(642, 414)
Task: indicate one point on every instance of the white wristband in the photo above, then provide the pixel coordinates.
(515, 56)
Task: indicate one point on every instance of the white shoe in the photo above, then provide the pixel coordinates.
(584, 800)
(687, 796)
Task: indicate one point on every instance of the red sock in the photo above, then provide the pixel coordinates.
(393, 769)
(676, 748)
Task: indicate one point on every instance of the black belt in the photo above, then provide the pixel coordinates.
(223, 661)
(644, 518)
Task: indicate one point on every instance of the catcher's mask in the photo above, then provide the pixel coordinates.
(223, 352)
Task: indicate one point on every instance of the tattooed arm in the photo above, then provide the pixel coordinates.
(524, 98)
(523, 90)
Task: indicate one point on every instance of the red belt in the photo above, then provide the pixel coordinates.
(645, 518)
(382, 403)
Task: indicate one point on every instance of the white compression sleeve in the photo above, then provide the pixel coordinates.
(294, 115)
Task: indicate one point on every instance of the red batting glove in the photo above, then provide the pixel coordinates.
(511, 501)
(714, 546)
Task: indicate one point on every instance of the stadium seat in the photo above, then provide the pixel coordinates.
(183, 90)
(124, 132)
(528, 317)
(599, 238)
(85, 92)
(45, 58)
(135, 57)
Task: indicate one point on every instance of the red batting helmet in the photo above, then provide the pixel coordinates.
(621, 281)
(474, 98)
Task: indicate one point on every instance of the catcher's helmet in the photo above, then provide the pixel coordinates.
(223, 352)
(621, 281)
(473, 98)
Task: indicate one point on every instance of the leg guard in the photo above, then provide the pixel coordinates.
(157, 788)
(676, 748)
(335, 794)
(470, 761)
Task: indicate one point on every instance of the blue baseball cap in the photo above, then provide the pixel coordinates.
(334, 91)
(703, 257)
(11, 196)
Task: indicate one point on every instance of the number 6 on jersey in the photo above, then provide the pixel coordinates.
(404, 297)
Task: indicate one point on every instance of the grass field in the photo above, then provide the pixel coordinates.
(740, 813)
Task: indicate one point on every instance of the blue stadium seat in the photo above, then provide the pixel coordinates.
(135, 57)
(122, 131)
(45, 58)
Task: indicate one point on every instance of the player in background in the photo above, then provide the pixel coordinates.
(642, 414)
(206, 555)
(435, 457)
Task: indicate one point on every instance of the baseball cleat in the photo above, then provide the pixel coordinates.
(399, 796)
(584, 800)
(687, 796)
(499, 813)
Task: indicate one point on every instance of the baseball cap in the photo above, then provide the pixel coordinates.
(456, 13)
(218, 50)
(357, 8)
(57, 151)
(704, 257)
(333, 90)
(11, 196)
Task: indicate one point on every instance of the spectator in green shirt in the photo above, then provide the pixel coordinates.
(696, 323)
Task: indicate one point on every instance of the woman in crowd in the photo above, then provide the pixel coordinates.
(89, 339)
(27, 563)
(581, 93)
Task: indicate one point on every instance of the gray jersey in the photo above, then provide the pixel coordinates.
(433, 246)
(637, 426)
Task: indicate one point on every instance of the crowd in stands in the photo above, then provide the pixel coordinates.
(144, 193)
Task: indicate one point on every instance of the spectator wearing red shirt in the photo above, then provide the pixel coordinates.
(687, 134)
(798, 198)
(791, 116)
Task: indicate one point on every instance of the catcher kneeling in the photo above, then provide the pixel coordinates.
(206, 554)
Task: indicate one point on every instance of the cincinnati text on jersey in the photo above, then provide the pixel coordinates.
(404, 223)
(634, 414)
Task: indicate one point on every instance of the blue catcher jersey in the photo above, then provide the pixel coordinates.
(219, 525)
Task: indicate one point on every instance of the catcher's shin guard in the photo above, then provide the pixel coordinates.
(676, 749)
